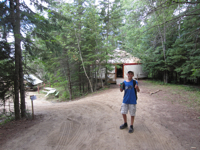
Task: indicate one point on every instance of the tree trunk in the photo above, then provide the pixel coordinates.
(66, 86)
(79, 76)
(92, 77)
(16, 30)
(163, 41)
(165, 76)
(83, 87)
(101, 76)
(179, 23)
(82, 60)
(22, 91)
(164, 51)
(175, 79)
(89, 77)
(4, 103)
(69, 77)
(21, 75)
(198, 81)
(106, 73)
(95, 88)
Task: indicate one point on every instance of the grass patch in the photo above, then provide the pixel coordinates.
(6, 120)
(188, 95)
(7, 117)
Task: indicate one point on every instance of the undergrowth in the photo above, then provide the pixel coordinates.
(9, 116)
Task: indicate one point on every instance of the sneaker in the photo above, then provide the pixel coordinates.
(131, 129)
(123, 126)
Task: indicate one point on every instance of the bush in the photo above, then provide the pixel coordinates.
(7, 117)
(65, 95)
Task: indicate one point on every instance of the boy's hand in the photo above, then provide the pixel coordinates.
(137, 88)
(120, 85)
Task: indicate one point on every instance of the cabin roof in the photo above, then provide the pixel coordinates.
(32, 79)
(120, 56)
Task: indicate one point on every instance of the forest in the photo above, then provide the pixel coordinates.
(61, 41)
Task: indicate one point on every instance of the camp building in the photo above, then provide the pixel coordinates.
(122, 63)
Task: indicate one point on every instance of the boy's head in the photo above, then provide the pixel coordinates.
(130, 74)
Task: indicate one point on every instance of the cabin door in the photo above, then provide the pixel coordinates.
(119, 71)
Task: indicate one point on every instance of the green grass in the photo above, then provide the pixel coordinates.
(6, 119)
(188, 95)
(176, 86)
(9, 116)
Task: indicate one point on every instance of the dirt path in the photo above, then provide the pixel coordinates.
(93, 123)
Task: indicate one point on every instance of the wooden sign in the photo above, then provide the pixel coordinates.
(32, 97)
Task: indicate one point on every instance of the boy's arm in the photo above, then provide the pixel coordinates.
(137, 88)
(121, 89)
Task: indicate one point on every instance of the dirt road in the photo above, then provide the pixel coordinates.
(93, 123)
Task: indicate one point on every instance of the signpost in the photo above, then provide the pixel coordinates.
(32, 97)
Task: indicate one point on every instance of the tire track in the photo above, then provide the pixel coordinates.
(80, 127)
(152, 136)
(79, 142)
(64, 131)
(112, 117)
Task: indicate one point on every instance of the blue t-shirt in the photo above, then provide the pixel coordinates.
(129, 93)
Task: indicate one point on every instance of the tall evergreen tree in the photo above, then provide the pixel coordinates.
(157, 29)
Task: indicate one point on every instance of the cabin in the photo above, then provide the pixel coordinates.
(122, 63)
(32, 82)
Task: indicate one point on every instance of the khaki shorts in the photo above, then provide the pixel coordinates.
(128, 107)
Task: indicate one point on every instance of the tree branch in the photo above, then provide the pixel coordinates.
(171, 20)
(186, 2)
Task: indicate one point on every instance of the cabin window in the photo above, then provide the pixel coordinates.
(119, 71)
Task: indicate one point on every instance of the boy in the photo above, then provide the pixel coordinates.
(129, 100)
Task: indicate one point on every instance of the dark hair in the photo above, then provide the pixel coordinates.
(131, 72)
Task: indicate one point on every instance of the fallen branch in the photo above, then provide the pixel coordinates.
(155, 92)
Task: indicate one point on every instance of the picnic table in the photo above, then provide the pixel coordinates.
(49, 90)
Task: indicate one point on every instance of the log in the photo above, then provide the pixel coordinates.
(155, 92)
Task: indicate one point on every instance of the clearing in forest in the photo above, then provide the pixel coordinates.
(93, 123)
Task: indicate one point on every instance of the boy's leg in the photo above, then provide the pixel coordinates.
(132, 110)
(124, 111)
(132, 119)
(125, 125)
(131, 129)
(125, 118)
